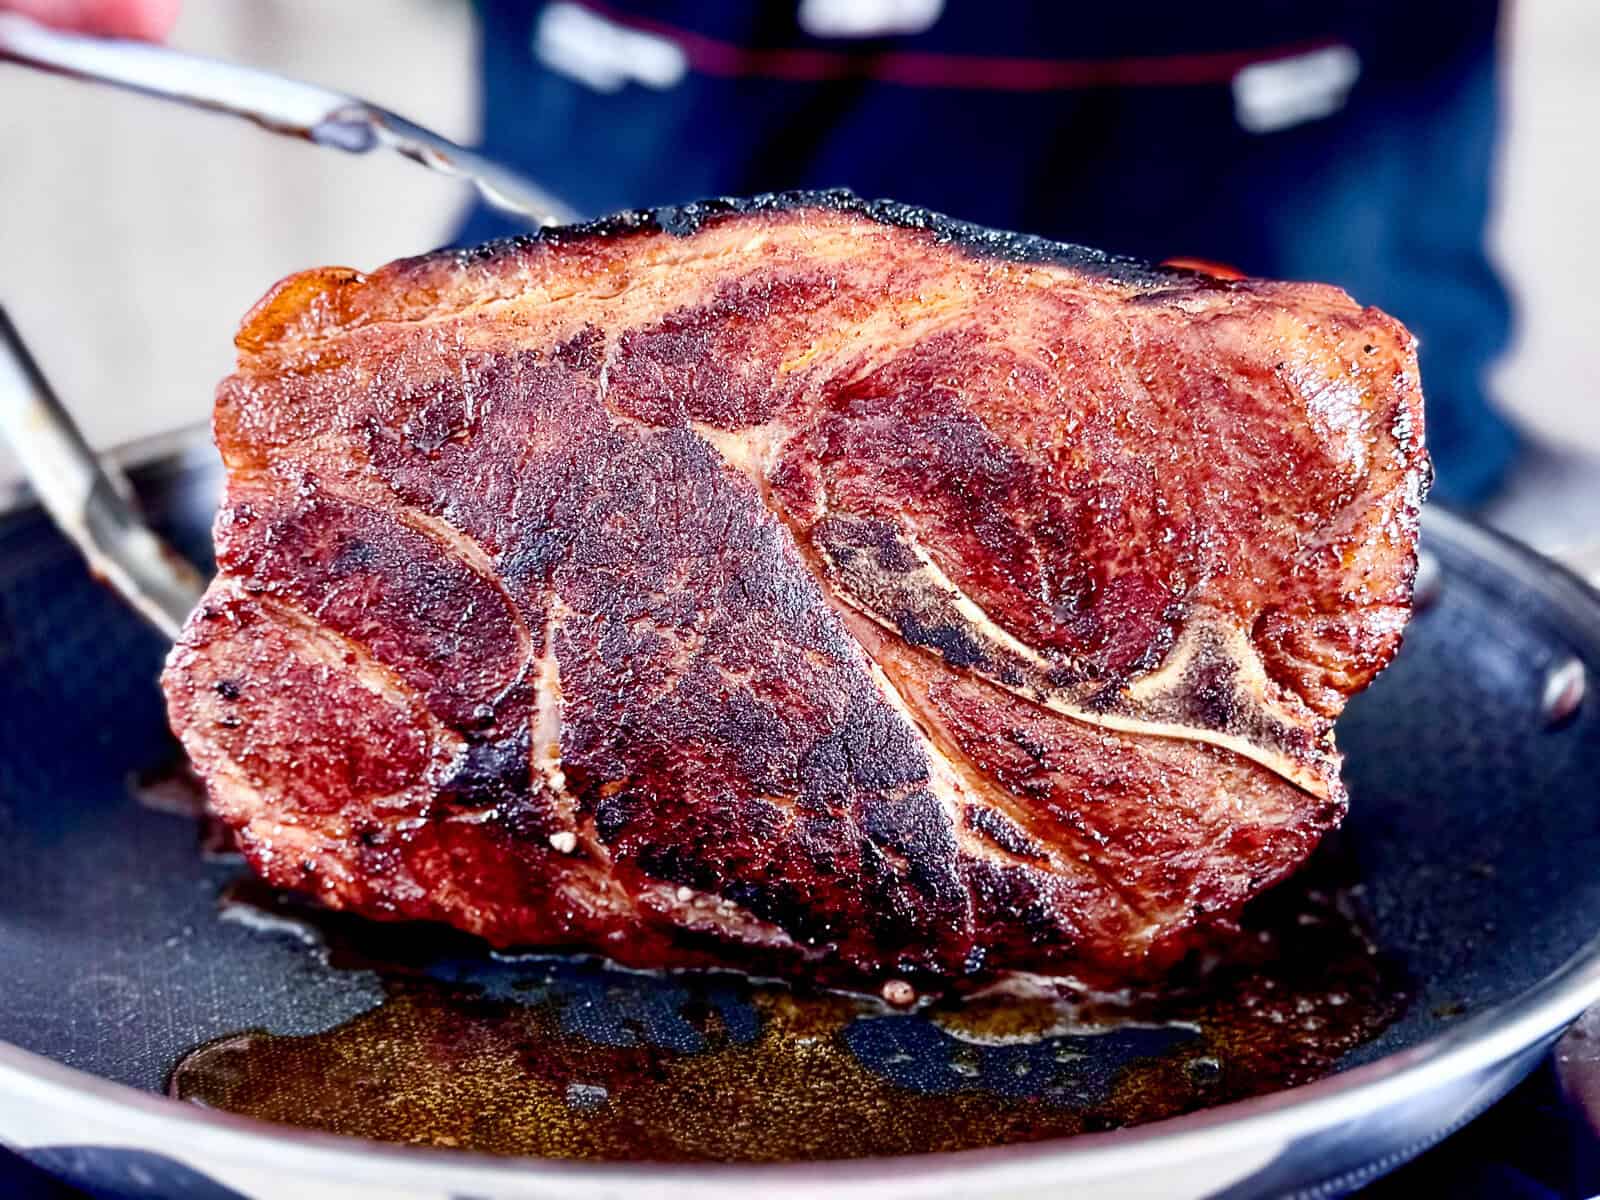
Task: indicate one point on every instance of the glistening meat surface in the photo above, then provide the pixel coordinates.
(799, 583)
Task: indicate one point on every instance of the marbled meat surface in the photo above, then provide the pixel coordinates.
(802, 584)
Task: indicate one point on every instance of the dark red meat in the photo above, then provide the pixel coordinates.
(799, 583)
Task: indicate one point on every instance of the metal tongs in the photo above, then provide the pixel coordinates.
(88, 498)
(277, 104)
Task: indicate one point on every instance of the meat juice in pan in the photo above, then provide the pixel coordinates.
(577, 1059)
(573, 1058)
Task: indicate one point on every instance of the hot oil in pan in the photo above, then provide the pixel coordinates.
(570, 1058)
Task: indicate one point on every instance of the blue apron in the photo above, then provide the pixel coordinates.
(1349, 141)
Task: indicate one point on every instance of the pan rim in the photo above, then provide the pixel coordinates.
(1478, 1042)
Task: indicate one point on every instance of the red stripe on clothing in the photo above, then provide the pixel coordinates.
(712, 56)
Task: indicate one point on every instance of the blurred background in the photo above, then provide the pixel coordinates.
(133, 234)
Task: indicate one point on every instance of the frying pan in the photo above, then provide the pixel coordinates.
(1471, 841)
(133, 966)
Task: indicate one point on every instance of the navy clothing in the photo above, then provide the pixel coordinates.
(1360, 156)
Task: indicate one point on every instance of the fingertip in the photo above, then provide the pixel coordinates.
(153, 20)
(149, 20)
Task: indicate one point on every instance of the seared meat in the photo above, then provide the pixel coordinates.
(799, 583)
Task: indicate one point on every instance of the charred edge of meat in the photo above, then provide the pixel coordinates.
(685, 220)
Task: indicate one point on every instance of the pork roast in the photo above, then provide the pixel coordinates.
(801, 583)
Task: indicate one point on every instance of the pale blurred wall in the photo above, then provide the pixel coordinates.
(134, 235)
(1546, 236)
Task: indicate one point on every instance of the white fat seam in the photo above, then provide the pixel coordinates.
(749, 451)
(973, 611)
(545, 730)
(944, 780)
(586, 882)
(751, 456)
(1242, 655)
(706, 909)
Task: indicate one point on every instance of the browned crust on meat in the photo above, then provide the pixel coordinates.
(799, 582)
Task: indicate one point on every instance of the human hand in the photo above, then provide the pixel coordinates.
(151, 20)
